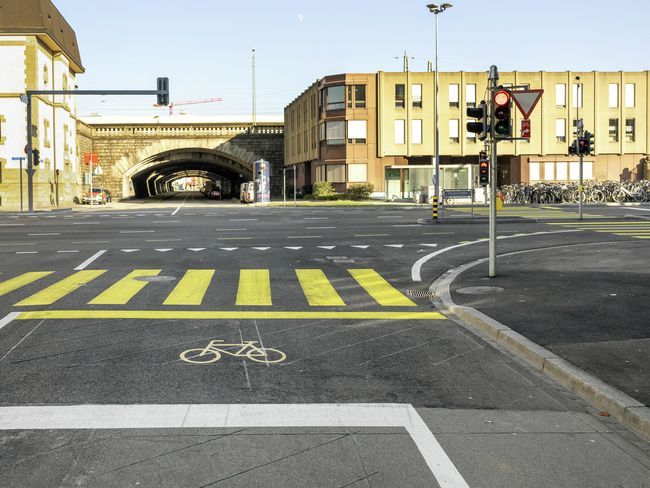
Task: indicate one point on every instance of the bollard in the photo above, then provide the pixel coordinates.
(434, 208)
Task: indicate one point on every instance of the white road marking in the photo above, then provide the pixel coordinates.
(429, 245)
(204, 416)
(317, 228)
(389, 216)
(228, 230)
(393, 245)
(7, 319)
(26, 252)
(179, 207)
(161, 240)
(21, 340)
(417, 266)
(196, 249)
(164, 250)
(85, 223)
(74, 250)
(293, 248)
(304, 237)
(228, 248)
(242, 220)
(129, 250)
(406, 225)
(90, 242)
(371, 235)
(165, 221)
(637, 208)
(46, 234)
(360, 246)
(262, 248)
(89, 260)
(316, 218)
(18, 244)
(136, 231)
(10, 225)
(326, 247)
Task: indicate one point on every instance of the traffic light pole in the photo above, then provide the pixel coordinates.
(581, 190)
(492, 270)
(27, 99)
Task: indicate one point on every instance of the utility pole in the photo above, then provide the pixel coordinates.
(254, 94)
(581, 190)
(493, 78)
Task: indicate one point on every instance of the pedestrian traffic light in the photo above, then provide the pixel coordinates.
(502, 122)
(479, 126)
(483, 169)
(36, 157)
(163, 91)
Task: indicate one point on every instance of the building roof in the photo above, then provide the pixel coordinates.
(180, 119)
(41, 18)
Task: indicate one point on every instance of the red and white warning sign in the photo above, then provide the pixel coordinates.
(526, 100)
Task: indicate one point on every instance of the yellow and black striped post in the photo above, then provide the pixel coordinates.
(434, 208)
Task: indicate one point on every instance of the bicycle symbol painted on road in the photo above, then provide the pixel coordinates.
(213, 351)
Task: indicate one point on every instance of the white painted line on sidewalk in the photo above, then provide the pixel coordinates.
(417, 266)
(136, 231)
(7, 319)
(90, 260)
(241, 416)
(46, 234)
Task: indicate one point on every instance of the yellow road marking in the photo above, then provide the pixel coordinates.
(191, 289)
(317, 289)
(125, 289)
(254, 287)
(22, 280)
(62, 288)
(203, 315)
(379, 289)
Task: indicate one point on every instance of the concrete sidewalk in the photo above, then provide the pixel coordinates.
(580, 313)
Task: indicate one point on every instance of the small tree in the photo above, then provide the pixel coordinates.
(323, 189)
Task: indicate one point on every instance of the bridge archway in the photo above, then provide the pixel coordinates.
(155, 174)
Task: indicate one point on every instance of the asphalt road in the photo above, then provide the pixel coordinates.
(364, 383)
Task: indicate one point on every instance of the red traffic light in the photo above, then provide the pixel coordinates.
(501, 97)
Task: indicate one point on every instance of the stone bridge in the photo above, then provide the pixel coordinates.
(142, 157)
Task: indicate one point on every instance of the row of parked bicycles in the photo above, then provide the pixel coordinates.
(594, 192)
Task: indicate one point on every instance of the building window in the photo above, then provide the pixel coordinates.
(399, 131)
(533, 171)
(470, 95)
(321, 173)
(357, 172)
(613, 130)
(629, 95)
(46, 133)
(416, 131)
(577, 95)
(453, 95)
(549, 171)
(560, 130)
(560, 95)
(360, 96)
(453, 131)
(335, 173)
(613, 95)
(399, 96)
(334, 97)
(561, 171)
(335, 132)
(416, 95)
(587, 170)
(356, 131)
(629, 130)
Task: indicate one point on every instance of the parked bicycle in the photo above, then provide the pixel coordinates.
(214, 350)
(594, 192)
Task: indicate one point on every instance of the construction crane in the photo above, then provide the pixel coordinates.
(190, 102)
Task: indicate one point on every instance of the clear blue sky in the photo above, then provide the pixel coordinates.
(204, 46)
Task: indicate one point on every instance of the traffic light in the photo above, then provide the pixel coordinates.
(582, 145)
(480, 125)
(589, 142)
(163, 91)
(483, 169)
(502, 122)
(36, 155)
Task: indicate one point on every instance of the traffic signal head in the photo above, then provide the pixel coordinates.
(36, 157)
(582, 145)
(589, 142)
(483, 169)
(572, 148)
(502, 121)
(163, 91)
(480, 126)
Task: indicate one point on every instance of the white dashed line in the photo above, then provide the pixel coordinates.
(136, 231)
(89, 260)
(46, 234)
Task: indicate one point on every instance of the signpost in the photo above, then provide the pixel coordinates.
(21, 159)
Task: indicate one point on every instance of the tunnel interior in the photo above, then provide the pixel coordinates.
(156, 175)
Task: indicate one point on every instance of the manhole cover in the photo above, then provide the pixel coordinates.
(479, 290)
(421, 293)
(155, 278)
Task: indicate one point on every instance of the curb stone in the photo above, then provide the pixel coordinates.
(631, 413)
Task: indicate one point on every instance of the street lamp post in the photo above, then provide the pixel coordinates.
(436, 9)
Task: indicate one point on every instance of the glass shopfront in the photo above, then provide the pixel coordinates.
(402, 182)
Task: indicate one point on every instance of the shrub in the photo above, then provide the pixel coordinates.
(361, 191)
(322, 189)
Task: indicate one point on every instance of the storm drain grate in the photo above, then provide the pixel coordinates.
(421, 293)
(155, 278)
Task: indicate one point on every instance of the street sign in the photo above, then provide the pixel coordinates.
(525, 128)
(526, 100)
(91, 159)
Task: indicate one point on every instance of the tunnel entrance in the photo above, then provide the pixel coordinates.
(156, 175)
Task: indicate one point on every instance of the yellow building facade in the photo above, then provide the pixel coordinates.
(399, 124)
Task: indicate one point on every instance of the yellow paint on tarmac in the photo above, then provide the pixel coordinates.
(254, 287)
(317, 289)
(212, 315)
(191, 289)
(125, 289)
(379, 289)
(22, 280)
(62, 288)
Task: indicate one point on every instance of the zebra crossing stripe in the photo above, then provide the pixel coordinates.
(121, 292)
(379, 289)
(317, 289)
(62, 288)
(22, 280)
(191, 289)
(254, 287)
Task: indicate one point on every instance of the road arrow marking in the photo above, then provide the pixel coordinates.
(228, 248)
(261, 248)
(361, 247)
(326, 247)
(429, 245)
(129, 250)
(163, 250)
(394, 245)
(293, 248)
(196, 249)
